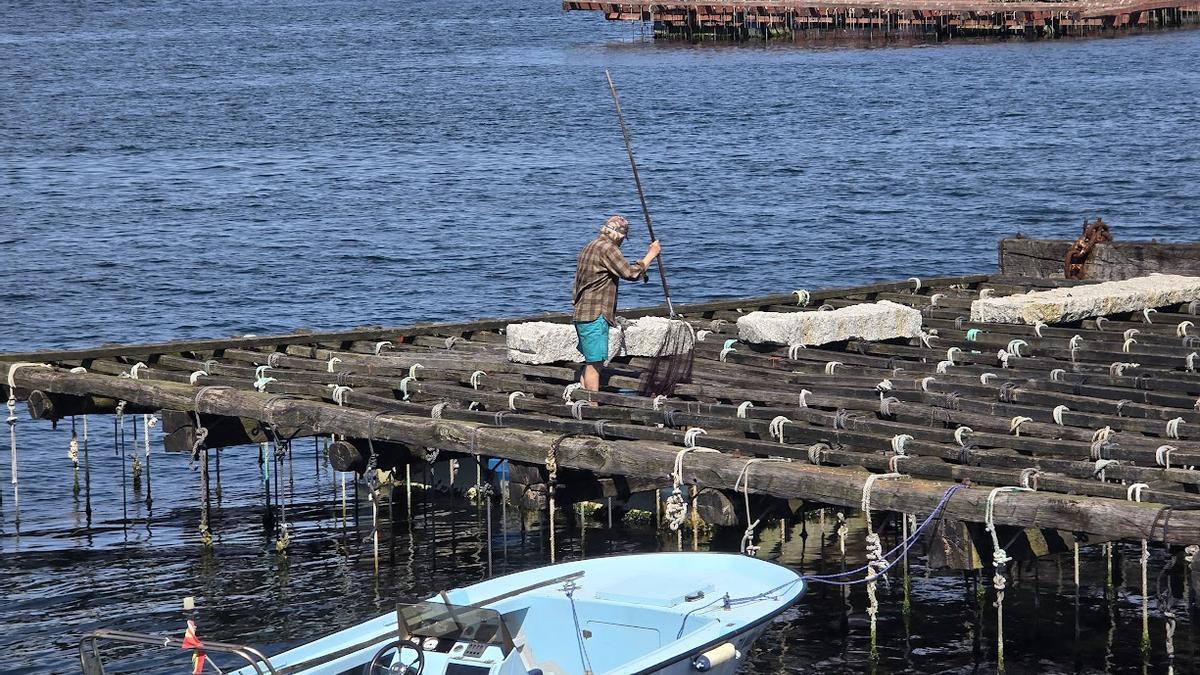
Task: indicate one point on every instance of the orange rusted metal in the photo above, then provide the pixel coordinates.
(1094, 233)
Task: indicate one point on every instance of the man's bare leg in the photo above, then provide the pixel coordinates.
(590, 378)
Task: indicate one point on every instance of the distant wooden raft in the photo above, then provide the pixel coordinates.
(1082, 302)
(544, 342)
(881, 320)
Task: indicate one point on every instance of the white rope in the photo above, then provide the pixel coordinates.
(1129, 342)
(1101, 465)
(689, 436)
(1029, 478)
(925, 337)
(804, 394)
(925, 382)
(825, 308)
(1014, 347)
(725, 352)
(676, 506)
(1134, 492)
(78, 370)
(898, 443)
(1131, 332)
(916, 284)
(743, 483)
(742, 407)
(568, 390)
(512, 399)
(1003, 356)
(438, 409)
(950, 354)
(1182, 329)
(933, 299)
(1147, 312)
(1014, 426)
(475, 378)
(1102, 435)
(1190, 361)
(1073, 345)
(816, 452)
(943, 365)
(1057, 374)
(701, 334)
(794, 351)
(1162, 455)
(1100, 321)
(659, 401)
(1173, 427)
(776, 427)
(884, 386)
(404, 387)
(894, 463)
(195, 376)
(339, 393)
(1037, 328)
(412, 370)
(960, 435)
(831, 366)
(133, 372)
(380, 345)
(577, 409)
(1058, 414)
(332, 360)
(985, 293)
(1117, 369)
(984, 378)
(802, 297)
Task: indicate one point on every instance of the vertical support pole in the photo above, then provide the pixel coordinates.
(695, 522)
(87, 475)
(148, 421)
(119, 449)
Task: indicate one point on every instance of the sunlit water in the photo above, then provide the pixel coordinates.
(204, 169)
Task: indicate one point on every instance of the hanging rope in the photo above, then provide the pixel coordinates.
(1134, 494)
(743, 483)
(776, 427)
(676, 506)
(1000, 558)
(877, 563)
(1101, 465)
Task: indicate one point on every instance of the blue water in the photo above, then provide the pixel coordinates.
(187, 169)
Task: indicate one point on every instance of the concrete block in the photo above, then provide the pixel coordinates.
(544, 342)
(1062, 305)
(881, 320)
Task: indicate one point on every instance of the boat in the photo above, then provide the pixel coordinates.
(663, 613)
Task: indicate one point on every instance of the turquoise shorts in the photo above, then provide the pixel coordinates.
(593, 339)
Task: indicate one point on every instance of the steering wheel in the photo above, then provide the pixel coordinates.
(391, 660)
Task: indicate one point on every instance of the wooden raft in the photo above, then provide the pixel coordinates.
(995, 405)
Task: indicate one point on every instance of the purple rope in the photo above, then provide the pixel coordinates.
(903, 546)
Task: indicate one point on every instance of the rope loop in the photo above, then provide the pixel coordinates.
(689, 436)
(380, 345)
(1129, 342)
(412, 370)
(725, 353)
(577, 409)
(1134, 492)
(951, 352)
(1057, 375)
(1014, 426)
(925, 382)
(802, 297)
(960, 435)
(1190, 362)
(1014, 347)
(438, 409)
(831, 366)
(1029, 478)
(804, 394)
(1173, 427)
(475, 378)
(984, 378)
(1162, 455)
(1004, 357)
(794, 351)
(985, 293)
(1117, 368)
(333, 360)
(659, 401)
(741, 409)
(1182, 329)
(404, 387)
(885, 405)
(776, 427)
(196, 375)
(973, 334)
(512, 399)
(1100, 321)
(568, 390)
(933, 299)
(825, 308)
(898, 443)
(1058, 414)
(339, 393)
(1147, 312)
(133, 372)
(701, 334)
(916, 284)
(1037, 327)
(1101, 465)
(885, 385)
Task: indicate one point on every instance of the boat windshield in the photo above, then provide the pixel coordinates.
(454, 622)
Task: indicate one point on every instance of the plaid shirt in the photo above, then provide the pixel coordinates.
(600, 266)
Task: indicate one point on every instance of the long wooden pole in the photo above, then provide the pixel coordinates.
(662, 274)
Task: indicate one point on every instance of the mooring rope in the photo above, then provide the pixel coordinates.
(876, 563)
(743, 483)
(1134, 494)
(676, 506)
(1000, 558)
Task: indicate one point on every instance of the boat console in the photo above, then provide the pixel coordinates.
(437, 638)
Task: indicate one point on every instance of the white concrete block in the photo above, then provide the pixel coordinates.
(881, 320)
(544, 342)
(1061, 305)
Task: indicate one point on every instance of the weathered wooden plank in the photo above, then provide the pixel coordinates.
(1110, 261)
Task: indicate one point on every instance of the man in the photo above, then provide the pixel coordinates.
(599, 269)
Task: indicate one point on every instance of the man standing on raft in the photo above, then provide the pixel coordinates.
(601, 265)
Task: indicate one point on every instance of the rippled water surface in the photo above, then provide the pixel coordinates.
(188, 169)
